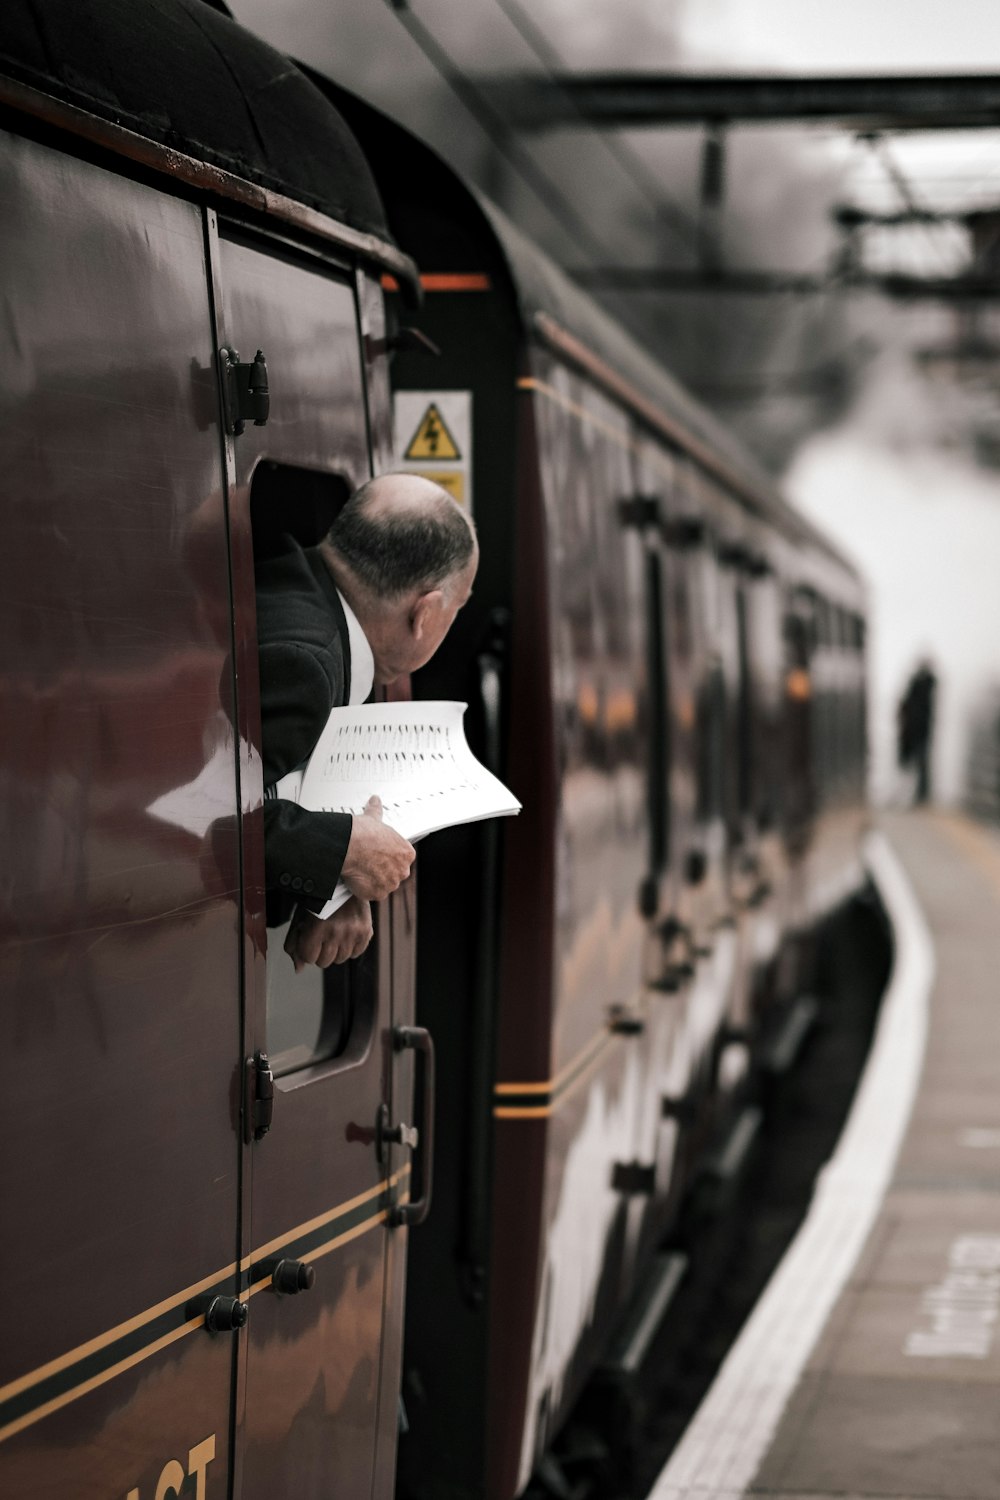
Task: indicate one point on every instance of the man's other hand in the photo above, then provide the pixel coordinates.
(345, 935)
(378, 858)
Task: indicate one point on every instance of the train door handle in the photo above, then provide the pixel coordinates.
(401, 1135)
(419, 1039)
(221, 1314)
(289, 1277)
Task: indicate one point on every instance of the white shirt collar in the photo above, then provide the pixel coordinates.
(362, 660)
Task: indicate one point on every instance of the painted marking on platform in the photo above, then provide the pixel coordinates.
(731, 1432)
(979, 1138)
(959, 1313)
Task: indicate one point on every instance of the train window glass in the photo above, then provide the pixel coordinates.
(659, 746)
(317, 1014)
(712, 745)
(710, 702)
(858, 632)
(744, 711)
(767, 654)
(823, 622)
(798, 785)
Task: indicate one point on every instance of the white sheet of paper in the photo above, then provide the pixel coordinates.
(414, 756)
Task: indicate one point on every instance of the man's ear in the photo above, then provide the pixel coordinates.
(424, 612)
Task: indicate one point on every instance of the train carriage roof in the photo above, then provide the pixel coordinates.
(552, 304)
(182, 73)
(469, 229)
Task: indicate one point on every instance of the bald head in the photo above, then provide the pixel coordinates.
(402, 533)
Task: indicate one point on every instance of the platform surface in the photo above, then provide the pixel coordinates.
(899, 1397)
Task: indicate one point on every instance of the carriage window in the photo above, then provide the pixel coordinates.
(858, 632)
(744, 712)
(658, 766)
(711, 744)
(316, 1014)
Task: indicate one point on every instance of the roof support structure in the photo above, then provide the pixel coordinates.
(970, 287)
(627, 100)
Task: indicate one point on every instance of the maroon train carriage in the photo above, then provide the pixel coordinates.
(665, 662)
(209, 1310)
(662, 659)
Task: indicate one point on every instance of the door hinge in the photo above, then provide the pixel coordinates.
(636, 1178)
(258, 1097)
(244, 390)
(640, 511)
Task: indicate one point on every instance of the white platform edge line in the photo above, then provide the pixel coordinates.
(725, 1442)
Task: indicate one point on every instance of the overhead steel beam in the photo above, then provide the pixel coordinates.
(771, 283)
(918, 102)
(675, 279)
(849, 216)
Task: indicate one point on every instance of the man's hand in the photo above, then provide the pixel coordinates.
(378, 859)
(344, 935)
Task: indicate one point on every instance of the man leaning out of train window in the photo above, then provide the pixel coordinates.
(372, 602)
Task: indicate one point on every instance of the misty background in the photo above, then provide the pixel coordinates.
(878, 415)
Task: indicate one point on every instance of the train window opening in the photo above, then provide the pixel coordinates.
(288, 501)
(316, 1015)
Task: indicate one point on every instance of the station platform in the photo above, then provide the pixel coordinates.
(871, 1365)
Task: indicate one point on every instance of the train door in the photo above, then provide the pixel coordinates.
(667, 608)
(766, 889)
(317, 1398)
(746, 879)
(684, 538)
(119, 934)
(653, 605)
(712, 742)
(714, 939)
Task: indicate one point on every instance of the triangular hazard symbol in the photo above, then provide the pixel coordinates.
(432, 438)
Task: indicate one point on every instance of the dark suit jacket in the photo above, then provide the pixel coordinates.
(305, 671)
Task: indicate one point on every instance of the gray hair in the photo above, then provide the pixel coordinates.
(392, 550)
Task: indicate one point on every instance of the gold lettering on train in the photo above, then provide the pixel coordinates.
(171, 1479)
(173, 1474)
(198, 1461)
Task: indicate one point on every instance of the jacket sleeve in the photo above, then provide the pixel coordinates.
(303, 851)
(296, 696)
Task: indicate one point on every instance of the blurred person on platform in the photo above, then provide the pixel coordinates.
(915, 729)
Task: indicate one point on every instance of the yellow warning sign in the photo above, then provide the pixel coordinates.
(432, 438)
(452, 480)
